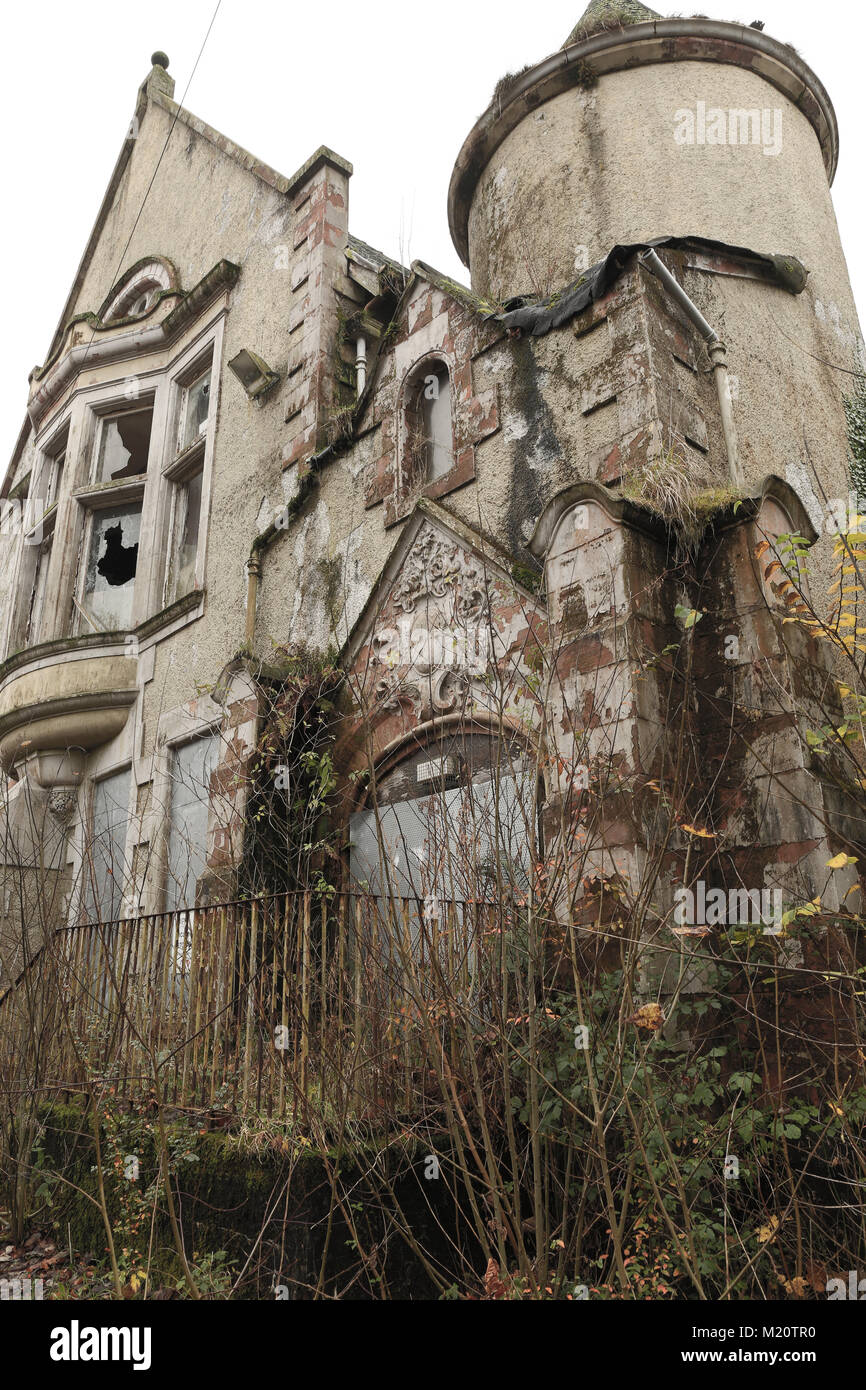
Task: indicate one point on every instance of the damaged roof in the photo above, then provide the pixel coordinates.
(540, 317)
(466, 296)
(363, 251)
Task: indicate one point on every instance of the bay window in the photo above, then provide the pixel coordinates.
(132, 511)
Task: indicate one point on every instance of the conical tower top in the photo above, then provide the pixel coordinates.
(609, 14)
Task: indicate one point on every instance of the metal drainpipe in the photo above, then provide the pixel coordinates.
(718, 357)
(254, 571)
(361, 365)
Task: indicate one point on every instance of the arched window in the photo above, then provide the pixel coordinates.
(454, 821)
(431, 439)
(137, 302)
(138, 290)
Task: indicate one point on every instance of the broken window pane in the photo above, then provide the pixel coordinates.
(196, 411)
(109, 581)
(191, 770)
(104, 864)
(187, 515)
(124, 443)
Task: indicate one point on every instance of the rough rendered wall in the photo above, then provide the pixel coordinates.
(593, 168)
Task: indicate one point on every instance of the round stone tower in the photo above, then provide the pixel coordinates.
(642, 127)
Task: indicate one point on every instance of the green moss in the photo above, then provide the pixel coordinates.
(530, 579)
(706, 504)
(855, 417)
(226, 1182)
(506, 84)
(332, 574)
(307, 485)
(584, 75)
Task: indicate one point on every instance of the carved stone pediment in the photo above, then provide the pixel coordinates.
(432, 642)
(439, 571)
(433, 636)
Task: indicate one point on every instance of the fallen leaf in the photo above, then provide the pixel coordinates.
(493, 1285)
(841, 861)
(649, 1017)
(766, 1233)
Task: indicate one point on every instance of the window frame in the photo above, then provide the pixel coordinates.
(447, 741)
(33, 633)
(106, 417)
(183, 733)
(180, 480)
(39, 523)
(86, 834)
(182, 464)
(93, 497)
(112, 499)
(411, 481)
(201, 368)
(75, 496)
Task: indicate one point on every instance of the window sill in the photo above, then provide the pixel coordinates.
(463, 472)
(188, 458)
(176, 615)
(99, 495)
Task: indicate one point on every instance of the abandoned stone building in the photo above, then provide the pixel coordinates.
(253, 433)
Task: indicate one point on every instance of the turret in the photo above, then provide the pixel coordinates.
(642, 127)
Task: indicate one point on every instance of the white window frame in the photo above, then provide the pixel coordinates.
(113, 499)
(104, 418)
(201, 357)
(201, 369)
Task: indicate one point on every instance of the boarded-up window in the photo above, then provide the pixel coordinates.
(455, 823)
(104, 865)
(191, 769)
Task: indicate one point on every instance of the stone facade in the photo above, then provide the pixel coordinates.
(305, 505)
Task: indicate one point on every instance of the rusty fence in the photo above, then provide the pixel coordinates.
(292, 1006)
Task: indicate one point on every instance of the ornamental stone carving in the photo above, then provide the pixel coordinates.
(438, 567)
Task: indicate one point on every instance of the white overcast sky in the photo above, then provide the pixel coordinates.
(393, 87)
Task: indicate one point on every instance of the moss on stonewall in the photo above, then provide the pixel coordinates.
(226, 1181)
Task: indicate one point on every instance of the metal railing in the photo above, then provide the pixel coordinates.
(287, 1006)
